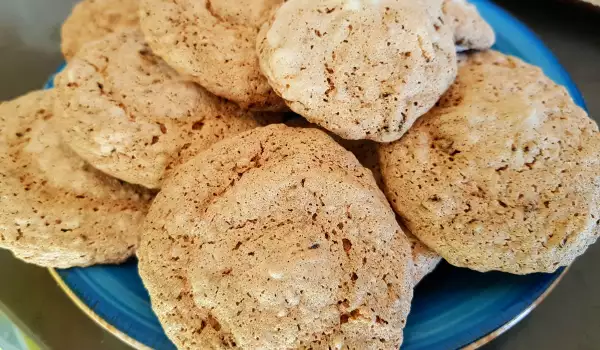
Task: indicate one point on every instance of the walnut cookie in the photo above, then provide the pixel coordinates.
(56, 210)
(92, 19)
(213, 43)
(283, 240)
(502, 174)
(362, 70)
(127, 113)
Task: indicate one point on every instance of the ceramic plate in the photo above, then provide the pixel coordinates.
(453, 308)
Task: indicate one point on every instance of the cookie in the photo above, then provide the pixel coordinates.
(127, 113)
(90, 20)
(213, 43)
(471, 31)
(56, 210)
(362, 70)
(502, 174)
(283, 240)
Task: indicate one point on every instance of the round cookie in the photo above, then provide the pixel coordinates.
(502, 174)
(471, 31)
(56, 210)
(92, 19)
(283, 240)
(126, 112)
(213, 43)
(363, 70)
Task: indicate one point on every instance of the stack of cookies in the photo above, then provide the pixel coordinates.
(406, 140)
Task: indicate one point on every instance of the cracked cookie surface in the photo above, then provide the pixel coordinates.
(283, 240)
(126, 112)
(362, 70)
(502, 174)
(57, 211)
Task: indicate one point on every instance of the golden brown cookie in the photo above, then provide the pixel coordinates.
(56, 210)
(213, 43)
(362, 70)
(126, 112)
(502, 174)
(471, 31)
(283, 240)
(92, 19)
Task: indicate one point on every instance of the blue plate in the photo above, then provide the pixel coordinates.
(453, 308)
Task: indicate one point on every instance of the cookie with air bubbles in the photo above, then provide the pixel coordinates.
(213, 43)
(281, 239)
(57, 211)
(126, 112)
(360, 69)
(502, 174)
(92, 19)
(471, 31)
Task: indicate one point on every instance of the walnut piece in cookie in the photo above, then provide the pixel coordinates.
(92, 19)
(281, 240)
(360, 69)
(213, 43)
(126, 112)
(56, 210)
(502, 174)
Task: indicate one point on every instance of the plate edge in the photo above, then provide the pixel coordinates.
(508, 325)
(93, 315)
